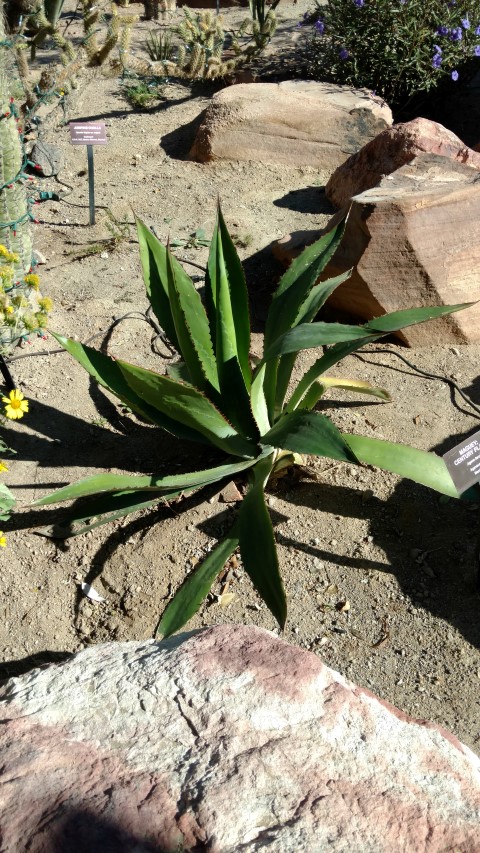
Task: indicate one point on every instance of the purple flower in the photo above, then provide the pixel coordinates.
(455, 76)
(465, 23)
(437, 48)
(343, 53)
(436, 61)
(443, 31)
(477, 31)
(456, 34)
(476, 50)
(359, 3)
(320, 27)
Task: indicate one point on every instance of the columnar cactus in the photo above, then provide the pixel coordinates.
(14, 214)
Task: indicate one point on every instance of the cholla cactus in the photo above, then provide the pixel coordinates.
(23, 310)
(14, 212)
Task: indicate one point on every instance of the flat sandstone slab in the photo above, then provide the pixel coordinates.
(294, 123)
(223, 740)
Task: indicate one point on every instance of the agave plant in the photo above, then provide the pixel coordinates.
(213, 395)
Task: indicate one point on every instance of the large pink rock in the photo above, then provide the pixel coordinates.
(414, 240)
(295, 123)
(223, 740)
(390, 150)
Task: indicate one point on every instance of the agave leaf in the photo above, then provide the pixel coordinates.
(317, 389)
(153, 257)
(234, 400)
(310, 433)
(308, 310)
(106, 371)
(227, 302)
(197, 586)
(397, 320)
(127, 482)
(106, 508)
(421, 466)
(183, 403)
(310, 335)
(259, 403)
(318, 296)
(257, 544)
(289, 301)
(191, 326)
(179, 372)
(297, 282)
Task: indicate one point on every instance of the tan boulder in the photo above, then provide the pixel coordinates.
(392, 149)
(295, 123)
(414, 240)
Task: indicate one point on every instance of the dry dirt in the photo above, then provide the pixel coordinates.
(404, 560)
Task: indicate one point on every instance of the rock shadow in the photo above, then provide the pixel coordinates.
(310, 199)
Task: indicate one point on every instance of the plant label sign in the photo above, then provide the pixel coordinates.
(463, 462)
(89, 133)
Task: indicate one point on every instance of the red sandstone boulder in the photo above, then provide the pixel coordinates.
(296, 123)
(226, 739)
(392, 149)
(413, 240)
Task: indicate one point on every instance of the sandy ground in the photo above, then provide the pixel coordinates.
(403, 559)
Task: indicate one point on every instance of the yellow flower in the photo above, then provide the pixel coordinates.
(11, 257)
(45, 304)
(15, 405)
(3, 540)
(33, 280)
(9, 309)
(3, 467)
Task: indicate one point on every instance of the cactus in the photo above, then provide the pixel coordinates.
(14, 212)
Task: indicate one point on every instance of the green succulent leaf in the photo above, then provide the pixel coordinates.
(191, 326)
(297, 282)
(311, 335)
(183, 403)
(293, 301)
(420, 466)
(317, 390)
(107, 372)
(129, 482)
(197, 586)
(100, 511)
(257, 544)
(153, 258)
(259, 403)
(397, 320)
(7, 502)
(318, 296)
(310, 433)
(227, 302)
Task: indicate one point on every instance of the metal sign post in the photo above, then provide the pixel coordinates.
(89, 134)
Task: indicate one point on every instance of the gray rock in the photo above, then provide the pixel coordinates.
(223, 740)
(296, 123)
(48, 158)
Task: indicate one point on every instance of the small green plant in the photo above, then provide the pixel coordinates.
(397, 49)
(196, 240)
(142, 94)
(159, 46)
(215, 397)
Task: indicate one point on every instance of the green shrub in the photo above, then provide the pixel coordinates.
(396, 48)
(248, 413)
